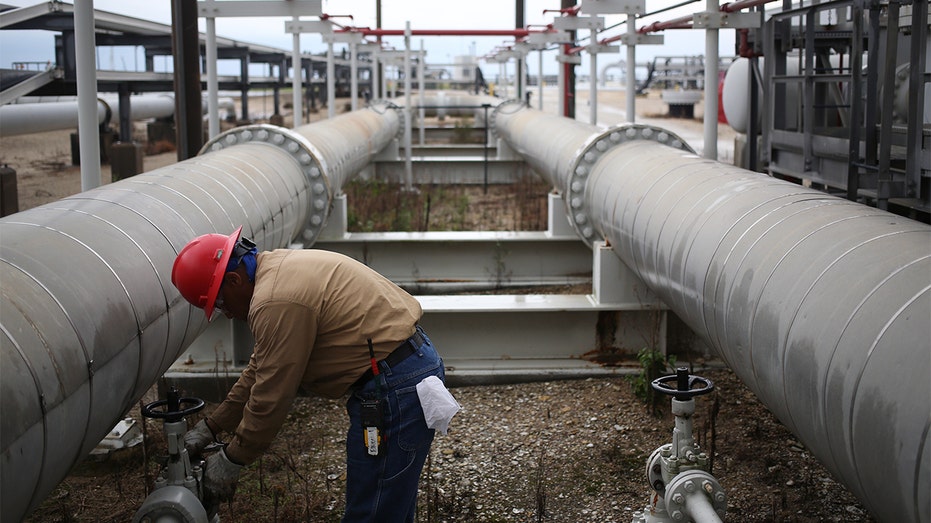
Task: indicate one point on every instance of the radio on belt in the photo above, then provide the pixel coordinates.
(373, 413)
(373, 419)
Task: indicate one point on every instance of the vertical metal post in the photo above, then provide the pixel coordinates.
(297, 71)
(502, 79)
(86, 71)
(561, 81)
(243, 85)
(753, 131)
(408, 167)
(126, 123)
(384, 80)
(185, 44)
(631, 65)
(378, 64)
(885, 188)
(330, 81)
(213, 85)
(808, 90)
(916, 102)
(711, 88)
(353, 75)
(855, 96)
(872, 85)
(422, 113)
(485, 148)
(519, 77)
(540, 81)
(375, 76)
(593, 83)
(520, 71)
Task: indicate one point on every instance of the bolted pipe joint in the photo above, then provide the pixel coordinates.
(577, 206)
(313, 165)
(697, 496)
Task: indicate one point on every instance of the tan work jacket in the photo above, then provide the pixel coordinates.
(311, 314)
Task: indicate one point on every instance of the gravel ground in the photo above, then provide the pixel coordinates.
(560, 451)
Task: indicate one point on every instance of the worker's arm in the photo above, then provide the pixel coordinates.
(228, 415)
(284, 339)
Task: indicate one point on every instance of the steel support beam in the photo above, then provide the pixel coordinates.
(433, 262)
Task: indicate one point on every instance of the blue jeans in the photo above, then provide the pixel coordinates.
(383, 488)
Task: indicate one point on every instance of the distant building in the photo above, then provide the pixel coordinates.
(464, 69)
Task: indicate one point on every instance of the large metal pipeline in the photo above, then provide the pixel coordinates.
(820, 305)
(28, 118)
(16, 119)
(88, 317)
(444, 103)
(37, 114)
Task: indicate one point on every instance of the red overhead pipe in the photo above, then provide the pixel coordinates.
(569, 11)
(517, 33)
(684, 22)
(742, 4)
(325, 17)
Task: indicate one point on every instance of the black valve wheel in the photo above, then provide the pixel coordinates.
(682, 385)
(172, 410)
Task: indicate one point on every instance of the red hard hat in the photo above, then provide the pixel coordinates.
(199, 268)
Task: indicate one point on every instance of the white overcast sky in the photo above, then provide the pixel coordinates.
(38, 46)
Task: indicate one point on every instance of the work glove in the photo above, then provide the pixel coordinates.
(197, 439)
(220, 477)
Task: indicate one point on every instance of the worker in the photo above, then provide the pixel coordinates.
(326, 324)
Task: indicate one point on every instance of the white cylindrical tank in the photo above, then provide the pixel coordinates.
(735, 97)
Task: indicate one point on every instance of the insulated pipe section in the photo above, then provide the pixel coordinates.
(820, 305)
(51, 116)
(331, 152)
(563, 151)
(443, 103)
(89, 318)
(349, 142)
(549, 144)
(18, 119)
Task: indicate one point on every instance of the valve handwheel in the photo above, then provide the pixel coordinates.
(682, 385)
(172, 411)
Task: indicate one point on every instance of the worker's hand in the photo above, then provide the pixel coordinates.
(197, 439)
(220, 477)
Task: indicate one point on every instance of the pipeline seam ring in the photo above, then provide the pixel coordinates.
(588, 156)
(491, 118)
(388, 104)
(303, 152)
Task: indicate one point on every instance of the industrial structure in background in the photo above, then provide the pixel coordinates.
(804, 268)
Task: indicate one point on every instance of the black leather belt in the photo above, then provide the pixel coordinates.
(410, 346)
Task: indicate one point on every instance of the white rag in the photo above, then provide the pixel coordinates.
(439, 406)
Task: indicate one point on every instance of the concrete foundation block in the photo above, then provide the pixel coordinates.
(126, 160)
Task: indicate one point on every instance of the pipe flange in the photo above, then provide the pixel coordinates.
(655, 467)
(304, 153)
(501, 108)
(589, 155)
(381, 106)
(694, 483)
